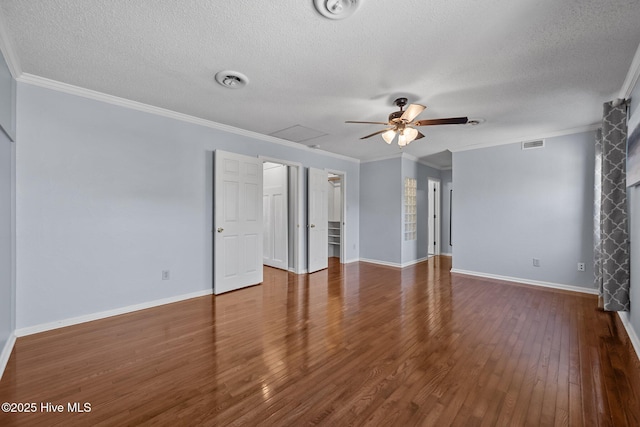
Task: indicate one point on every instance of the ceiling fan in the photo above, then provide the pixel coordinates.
(401, 123)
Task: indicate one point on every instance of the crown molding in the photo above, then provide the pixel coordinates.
(581, 129)
(163, 112)
(423, 162)
(632, 77)
(426, 163)
(409, 157)
(9, 54)
(378, 159)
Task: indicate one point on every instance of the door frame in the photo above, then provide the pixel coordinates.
(343, 213)
(296, 197)
(437, 209)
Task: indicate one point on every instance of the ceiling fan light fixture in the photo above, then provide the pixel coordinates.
(403, 123)
(388, 136)
(410, 134)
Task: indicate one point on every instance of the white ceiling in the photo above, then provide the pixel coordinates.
(530, 68)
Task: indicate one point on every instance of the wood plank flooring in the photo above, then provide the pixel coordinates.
(356, 344)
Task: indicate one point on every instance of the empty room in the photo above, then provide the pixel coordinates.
(320, 212)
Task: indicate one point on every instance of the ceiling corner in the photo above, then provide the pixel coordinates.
(6, 47)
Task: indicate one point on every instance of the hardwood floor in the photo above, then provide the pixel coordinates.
(356, 344)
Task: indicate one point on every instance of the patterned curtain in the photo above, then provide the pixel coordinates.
(610, 223)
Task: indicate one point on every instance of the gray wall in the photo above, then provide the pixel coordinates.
(7, 210)
(108, 197)
(381, 210)
(7, 100)
(513, 205)
(7, 234)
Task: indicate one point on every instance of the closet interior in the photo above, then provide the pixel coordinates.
(334, 193)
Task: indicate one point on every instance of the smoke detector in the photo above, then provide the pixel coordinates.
(336, 9)
(232, 79)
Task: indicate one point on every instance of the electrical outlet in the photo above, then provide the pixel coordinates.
(165, 274)
(581, 266)
(536, 262)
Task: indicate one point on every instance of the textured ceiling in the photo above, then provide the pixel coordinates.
(529, 68)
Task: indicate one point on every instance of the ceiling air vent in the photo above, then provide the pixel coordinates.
(530, 145)
(232, 79)
(336, 9)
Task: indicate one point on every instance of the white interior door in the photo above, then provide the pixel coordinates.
(434, 216)
(275, 213)
(237, 222)
(317, 217)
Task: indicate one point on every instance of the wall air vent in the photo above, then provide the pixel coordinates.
(530, 145)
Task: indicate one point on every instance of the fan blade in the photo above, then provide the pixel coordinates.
(371, 123)
(420, 135)
(412, 112)
(434, 122)
(375, 133)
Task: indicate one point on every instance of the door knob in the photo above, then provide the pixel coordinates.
(220, 229)
(313, 225)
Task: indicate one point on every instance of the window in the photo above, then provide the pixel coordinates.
(410, 222)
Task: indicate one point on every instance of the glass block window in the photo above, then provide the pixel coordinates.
(410, 220)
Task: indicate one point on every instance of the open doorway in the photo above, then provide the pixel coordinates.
(336, 204)
(433, 215)
(281, 215)
(326, 217)
(334, 196)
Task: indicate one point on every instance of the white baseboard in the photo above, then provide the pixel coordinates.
(30, 330)
(528, 281)
(407, 264)
(449, 254)
(6, 352)
(378, 262)
(349, 261)
(393, 264)
(635, 341)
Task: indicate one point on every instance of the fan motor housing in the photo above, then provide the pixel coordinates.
(400, 103)
(393, 117)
